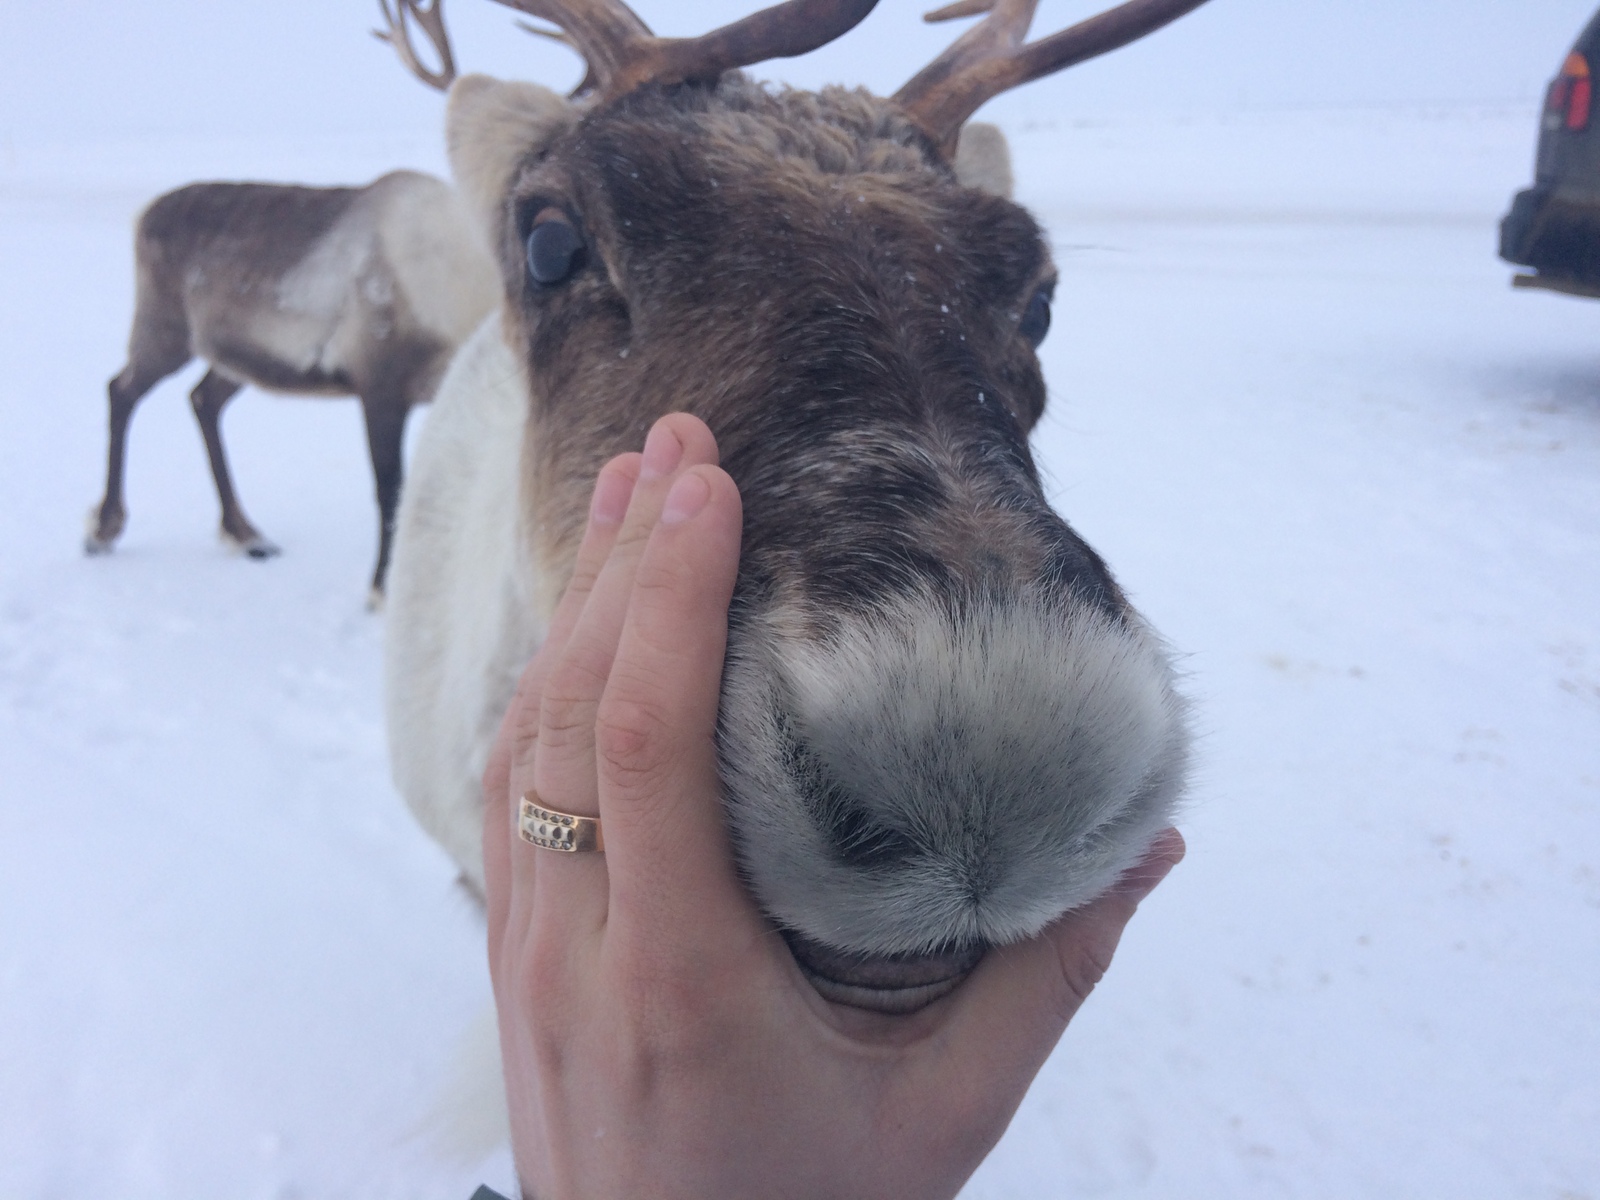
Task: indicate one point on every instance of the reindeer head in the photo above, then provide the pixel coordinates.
(942, 723)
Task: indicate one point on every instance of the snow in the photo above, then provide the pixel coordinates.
(1354, 477)
(1350, 474)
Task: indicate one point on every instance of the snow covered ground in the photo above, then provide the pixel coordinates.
(1351, 475)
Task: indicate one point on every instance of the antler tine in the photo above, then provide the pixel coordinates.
(553, 35)
(782, 31)
(588, 82)
(606, 33)
(622, 54)
(430, 19)
(993, 57)
(961, 8)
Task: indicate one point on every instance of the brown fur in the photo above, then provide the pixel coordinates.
(804, 272)
(942, 724)
(326, 291)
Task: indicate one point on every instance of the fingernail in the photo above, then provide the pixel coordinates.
(612, 491)
(687, 497)
(662, 453)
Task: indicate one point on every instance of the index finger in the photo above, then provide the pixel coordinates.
(670, 865)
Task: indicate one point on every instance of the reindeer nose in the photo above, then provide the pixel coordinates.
(1073, 568)
(941, 773)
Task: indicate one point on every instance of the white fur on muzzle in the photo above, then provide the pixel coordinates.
(938, 774)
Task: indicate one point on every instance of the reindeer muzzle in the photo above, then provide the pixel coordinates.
(892, 983)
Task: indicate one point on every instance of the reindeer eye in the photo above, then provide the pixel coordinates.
(1035, 321)
(555, 248)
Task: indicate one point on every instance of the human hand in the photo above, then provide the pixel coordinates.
(657, 1036)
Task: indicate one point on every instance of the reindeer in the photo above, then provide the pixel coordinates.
(943, 724)
(331, 291)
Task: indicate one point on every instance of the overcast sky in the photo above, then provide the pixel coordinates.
(99, 68)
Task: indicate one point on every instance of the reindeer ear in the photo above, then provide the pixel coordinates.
(491, 126)
(983, 159)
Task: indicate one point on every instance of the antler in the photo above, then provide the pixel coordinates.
(994, 56)
(430, 19)
(622, 54)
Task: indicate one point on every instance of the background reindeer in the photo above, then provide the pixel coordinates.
(942, 722)
(331, 291)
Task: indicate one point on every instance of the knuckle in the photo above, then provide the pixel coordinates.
(544, 962)
(661, 581)
(571, 692)
(633, 740)
(631, 538)
(524, 715)
(1086, 967)
(579, 674)
(678, 1015)
(543, 1023)
(562, 725)
(585, 572)
(668, 618)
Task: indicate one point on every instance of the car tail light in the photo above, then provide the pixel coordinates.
(1571, 93)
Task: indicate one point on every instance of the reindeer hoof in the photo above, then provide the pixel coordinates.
(375, 600)
(252, 546)
(101, 531)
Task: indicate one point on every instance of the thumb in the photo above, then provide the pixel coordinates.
(1085, 940)
(1017, 1003)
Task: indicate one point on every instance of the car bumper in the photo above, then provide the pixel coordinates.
(1556, 283)
(1556, 234)
(1517, 226)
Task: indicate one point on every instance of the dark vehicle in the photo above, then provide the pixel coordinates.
(1554, 226)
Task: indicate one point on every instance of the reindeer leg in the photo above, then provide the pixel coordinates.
(124, 392)
(209, 398)
(385, 413)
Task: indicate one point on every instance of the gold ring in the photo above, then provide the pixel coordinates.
(559, 831)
